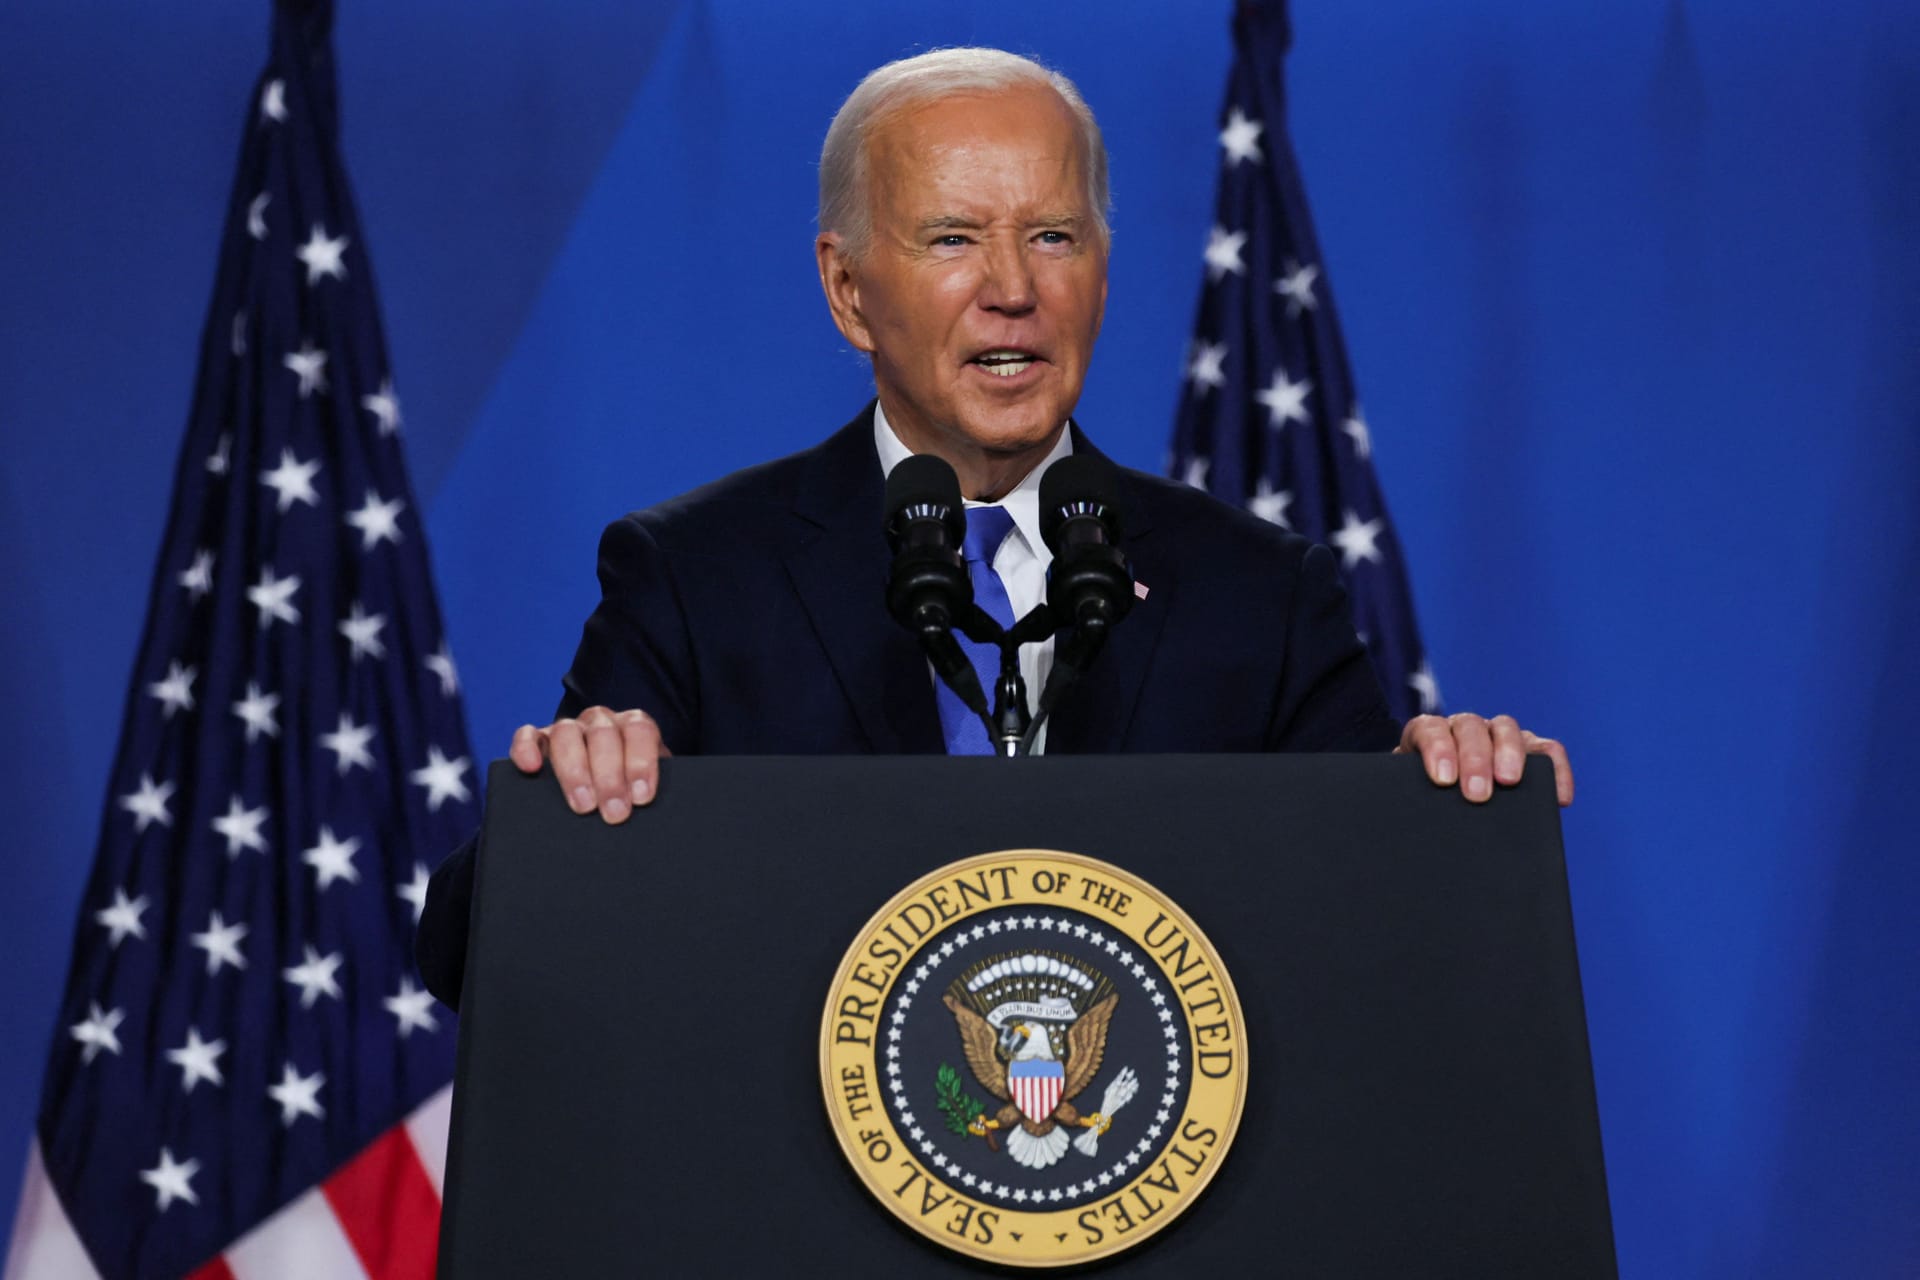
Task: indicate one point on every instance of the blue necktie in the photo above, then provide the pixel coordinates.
(987, 528)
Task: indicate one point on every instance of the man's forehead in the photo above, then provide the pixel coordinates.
(1032, 118)
(941, 151)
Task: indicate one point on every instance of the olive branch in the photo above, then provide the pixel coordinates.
(960, 1109)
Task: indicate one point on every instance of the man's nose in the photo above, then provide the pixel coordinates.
(1008, 285)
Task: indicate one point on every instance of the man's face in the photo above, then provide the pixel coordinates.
(981, 290)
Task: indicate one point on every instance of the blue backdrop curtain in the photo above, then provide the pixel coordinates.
(1633, 291)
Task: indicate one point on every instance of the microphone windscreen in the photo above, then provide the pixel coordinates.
(1079, 484)
(928, 483)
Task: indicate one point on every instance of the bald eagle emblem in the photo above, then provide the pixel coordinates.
(1033, 1027)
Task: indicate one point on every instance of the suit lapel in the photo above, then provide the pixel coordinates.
(838, 563)
(1098, 713)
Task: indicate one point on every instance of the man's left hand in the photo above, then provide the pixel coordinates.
(1477, 752)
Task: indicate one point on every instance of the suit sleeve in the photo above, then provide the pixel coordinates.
(1330, 698)
(634, 653)
(440, 944)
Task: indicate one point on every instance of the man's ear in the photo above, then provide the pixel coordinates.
(842, 287)
(1100, 317)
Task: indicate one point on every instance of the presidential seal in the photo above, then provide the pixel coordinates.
(1033, 1058)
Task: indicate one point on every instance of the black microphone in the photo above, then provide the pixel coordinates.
(1089, 585)
(928, 589)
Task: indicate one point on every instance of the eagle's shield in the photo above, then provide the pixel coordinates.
(1035, 1085)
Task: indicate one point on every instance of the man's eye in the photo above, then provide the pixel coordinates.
(950, 241)
(1055, 237)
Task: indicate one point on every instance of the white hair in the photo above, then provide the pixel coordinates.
(923, 78)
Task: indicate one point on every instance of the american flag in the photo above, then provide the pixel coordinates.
(246, 1077)
(1269, 418)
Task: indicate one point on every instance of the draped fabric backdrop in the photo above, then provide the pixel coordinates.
(1633, 291)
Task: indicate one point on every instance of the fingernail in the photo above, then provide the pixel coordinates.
(1446, 773)
(641, 791)
(616, 810)
(582, 799)
(1478, 788)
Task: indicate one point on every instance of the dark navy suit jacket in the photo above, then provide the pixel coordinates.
(747, 617)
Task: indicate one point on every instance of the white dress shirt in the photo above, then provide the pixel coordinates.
(1021, 561)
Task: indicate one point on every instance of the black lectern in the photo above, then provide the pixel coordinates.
(639, 1084)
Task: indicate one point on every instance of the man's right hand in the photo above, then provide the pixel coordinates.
(604, 759)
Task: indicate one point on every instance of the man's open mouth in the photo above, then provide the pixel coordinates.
(1005, 362)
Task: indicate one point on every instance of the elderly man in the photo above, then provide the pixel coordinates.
(963, 246)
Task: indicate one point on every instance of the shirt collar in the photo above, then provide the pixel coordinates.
(1022, 503)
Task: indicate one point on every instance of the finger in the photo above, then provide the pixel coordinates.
(567, 749)
(1562, 766)
(606, 761)
(1475, 745)
(1509, 749)
(529, 749)
(641, 739)
(1431, 737)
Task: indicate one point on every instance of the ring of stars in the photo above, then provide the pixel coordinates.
(1030, 928)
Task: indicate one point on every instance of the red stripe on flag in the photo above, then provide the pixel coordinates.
(214, 1270)
(387, 1206)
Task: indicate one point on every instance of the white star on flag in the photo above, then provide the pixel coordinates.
(332, 858)
(175, 689)
(1285, 400)
(240, 826)
(273, 596)
(273, 102)
(1241, 138)
(1357, 540)
(311, 364)
(441, 777)
(292, 481)
(384, 406)
(256, 218)
(122, 918)
(440, 662)
(257, 710)
(97, 1031)
(414, 891)
(1423, 683)
(362, 631)
(377, 520)
(349, 744)
(1296, 286)
(314, 976)
(221, 942)
(1205, 369)
(221, 459)
(412, 1007)
(198, 1060)
(1196, 472)
(1270, 505)
(322, 255)
(197, 577)
(1223, 253)
(1356, 429)
(148, 804)
(171, 1181)
(297, 1095)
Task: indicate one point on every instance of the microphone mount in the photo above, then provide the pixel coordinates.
(929, 591)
